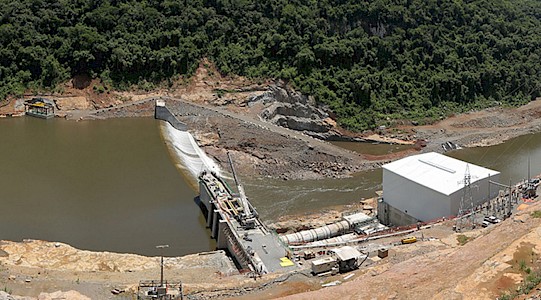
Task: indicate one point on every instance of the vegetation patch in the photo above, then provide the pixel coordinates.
(221, 92)
(366, 60)
(530, 282)
(525, 259)
(462, 239)
(536, 214)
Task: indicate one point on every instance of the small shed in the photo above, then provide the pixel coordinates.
(323, 265)
(348, 258)
(39, 107)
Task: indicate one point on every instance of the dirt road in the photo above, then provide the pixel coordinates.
(482, 128)
(264, 149)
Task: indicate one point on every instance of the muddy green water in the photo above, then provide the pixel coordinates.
(510, 158)
(97, 185)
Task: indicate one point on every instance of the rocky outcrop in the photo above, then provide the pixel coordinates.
(288, 108)
(72, 295)
(5, 296)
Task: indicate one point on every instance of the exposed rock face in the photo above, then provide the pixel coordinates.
(290, 109)
(5, 296)
(72, 295)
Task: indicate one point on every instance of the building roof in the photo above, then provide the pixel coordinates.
(42, 102)
(438, 172)
(357, 218)
(346, 253)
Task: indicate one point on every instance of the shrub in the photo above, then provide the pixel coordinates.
(462, 239)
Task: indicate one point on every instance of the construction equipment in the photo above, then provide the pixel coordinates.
(247, 217)
(409, 240)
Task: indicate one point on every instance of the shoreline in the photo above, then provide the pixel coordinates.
(33, 267)
(40, 266)
(319, 159)
(483, 128)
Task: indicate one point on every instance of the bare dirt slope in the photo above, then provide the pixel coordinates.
(493, 262)
(482, 128)
(265, 149)
(441, 269)
(31, 267)
(484, 268)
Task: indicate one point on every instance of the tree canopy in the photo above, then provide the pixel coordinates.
(365, 60)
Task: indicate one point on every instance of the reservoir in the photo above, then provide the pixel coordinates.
(510, 158)
(96, 185)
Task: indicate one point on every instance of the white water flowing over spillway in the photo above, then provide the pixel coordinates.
(187, 153)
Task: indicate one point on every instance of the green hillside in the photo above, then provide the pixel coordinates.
(366, 60)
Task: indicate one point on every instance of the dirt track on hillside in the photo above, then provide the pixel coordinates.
(263, 149)
(482, 128)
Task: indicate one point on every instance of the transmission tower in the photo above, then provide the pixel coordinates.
(466, 203)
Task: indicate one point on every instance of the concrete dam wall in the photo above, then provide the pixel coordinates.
(187, 153)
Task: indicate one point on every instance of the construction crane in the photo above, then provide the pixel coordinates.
(247, 218)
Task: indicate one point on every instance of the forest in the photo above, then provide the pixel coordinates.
(367, 61)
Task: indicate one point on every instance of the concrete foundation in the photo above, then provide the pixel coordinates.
(392, 216)
(214, 225)
(162, 113)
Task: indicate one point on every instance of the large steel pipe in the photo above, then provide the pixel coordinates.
(317, 234)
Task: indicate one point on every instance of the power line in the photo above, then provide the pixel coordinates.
(466, 203)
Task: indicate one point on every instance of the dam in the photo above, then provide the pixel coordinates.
(233, 221)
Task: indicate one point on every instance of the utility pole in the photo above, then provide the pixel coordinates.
(488, 187)
(161, 262)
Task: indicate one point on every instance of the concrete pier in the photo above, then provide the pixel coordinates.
(256, 249)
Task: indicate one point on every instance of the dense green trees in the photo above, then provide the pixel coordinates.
(366, 60)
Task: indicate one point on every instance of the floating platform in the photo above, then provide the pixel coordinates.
(39, 108)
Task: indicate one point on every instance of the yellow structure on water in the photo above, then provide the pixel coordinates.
(39, 107)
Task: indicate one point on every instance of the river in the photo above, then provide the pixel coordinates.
(111, 185)
(96, 185)
(275, 198)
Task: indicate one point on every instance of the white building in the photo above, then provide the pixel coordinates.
(429, 186)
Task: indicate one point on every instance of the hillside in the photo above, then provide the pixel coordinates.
(501, 261)
(368, 61)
